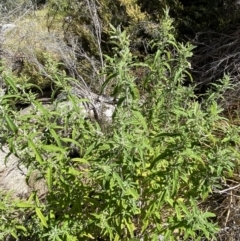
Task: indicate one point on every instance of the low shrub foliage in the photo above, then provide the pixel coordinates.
(140, 178)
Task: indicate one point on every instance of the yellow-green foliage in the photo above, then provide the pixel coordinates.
(32, 75)
(43, 78)
(120, 12)
(79, 25)
(86, 37)
(133, 10)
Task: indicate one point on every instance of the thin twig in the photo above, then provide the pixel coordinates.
(228, 189)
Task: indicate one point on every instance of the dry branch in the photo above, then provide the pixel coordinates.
(218, 54)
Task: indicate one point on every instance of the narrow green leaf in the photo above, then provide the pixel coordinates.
(177, 76)
(10, 82)
(52, 148)
(175, 181)
(111, 76)
(116, 238)
(41, 217)
(209, 215)
(31, 198)
(138, 115)
(104, 147)
(112, 27)
(69, 140)
(174, 44)
(165, 154)
(168, 67)
(130, 227)
(11, 124)
(120, 101)
(14, 235)
(156, 57)
(36, 199)
(37, 154)
(135, 93)
(133, 193)
(73, 171)
(49, 178)
(119, 180)
(33, 86)
(178, 213)
(81, 160)
(168, 134)
(20, 227)
(10, 96)
(75, 101)
(189, 75)
(41, 108)
(11, 148)
(89, 149)
(56, 137)
(183, 207)
(24, 205)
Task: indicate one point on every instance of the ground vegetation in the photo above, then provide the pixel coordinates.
(164, 165)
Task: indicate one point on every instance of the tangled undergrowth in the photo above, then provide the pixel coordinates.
(218, 54)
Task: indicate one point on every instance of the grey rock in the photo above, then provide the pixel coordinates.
(13, 177)
(6, 27)
(13, 174)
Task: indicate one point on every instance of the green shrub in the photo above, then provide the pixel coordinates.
(144, 177)
(12, 214)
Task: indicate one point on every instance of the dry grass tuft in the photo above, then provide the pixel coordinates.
(217, 54)
(226, 205)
